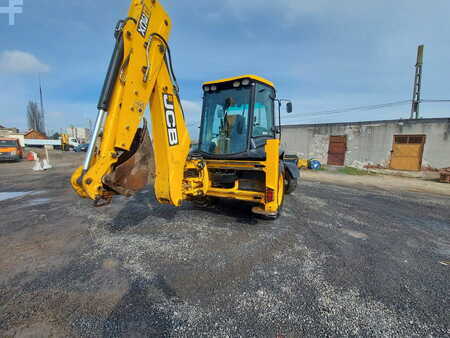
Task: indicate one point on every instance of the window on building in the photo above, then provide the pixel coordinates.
(409, 139)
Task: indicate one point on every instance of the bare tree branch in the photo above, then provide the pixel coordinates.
(35, 117)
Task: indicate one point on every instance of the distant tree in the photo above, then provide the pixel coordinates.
(35, 117)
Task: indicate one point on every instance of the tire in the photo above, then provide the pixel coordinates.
(291, 185)
(206, 202)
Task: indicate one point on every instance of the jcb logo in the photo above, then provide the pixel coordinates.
(170, 119)
(143, 23)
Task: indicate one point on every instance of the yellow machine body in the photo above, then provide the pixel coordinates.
(65, 142)
(268, 200)
(141, 77)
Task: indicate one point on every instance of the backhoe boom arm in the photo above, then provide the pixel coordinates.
(140, 74)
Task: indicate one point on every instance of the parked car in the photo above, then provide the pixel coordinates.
(81, 148)
(10, 149)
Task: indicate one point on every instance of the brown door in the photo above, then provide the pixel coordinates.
(337, 150)
(407, 152)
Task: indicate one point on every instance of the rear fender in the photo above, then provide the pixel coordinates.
(292, 169)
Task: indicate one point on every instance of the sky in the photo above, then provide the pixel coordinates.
(322, 55)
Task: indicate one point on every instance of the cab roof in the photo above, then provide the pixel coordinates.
(253, 77)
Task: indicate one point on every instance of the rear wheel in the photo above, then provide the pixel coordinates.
(204, 202)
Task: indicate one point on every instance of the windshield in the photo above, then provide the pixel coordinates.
(225, 121)
(8, 143)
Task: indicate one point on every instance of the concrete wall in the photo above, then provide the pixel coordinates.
(370, 142)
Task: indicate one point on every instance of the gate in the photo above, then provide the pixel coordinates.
(407, 152)
(337, 150)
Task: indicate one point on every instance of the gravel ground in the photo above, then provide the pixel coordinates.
(342, 260)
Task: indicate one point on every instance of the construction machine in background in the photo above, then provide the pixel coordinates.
(65, 142)
(238, 156)
(10, 149)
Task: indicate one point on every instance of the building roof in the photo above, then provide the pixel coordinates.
(407, 121)
(31, 131)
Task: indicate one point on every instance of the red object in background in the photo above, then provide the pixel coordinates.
(445, 175)
(337, 150)
(31, 156)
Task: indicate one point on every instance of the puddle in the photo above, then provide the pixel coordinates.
(10, 195)
(4, 196)
(37, 201)
(355, 234)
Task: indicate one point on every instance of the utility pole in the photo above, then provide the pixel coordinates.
(415, 110)
(42, 104)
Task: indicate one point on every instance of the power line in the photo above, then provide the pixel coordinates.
(360, 108)
(324, 118)
(435, 101)
(338, 111)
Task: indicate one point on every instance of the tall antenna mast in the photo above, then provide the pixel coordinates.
(415, 110)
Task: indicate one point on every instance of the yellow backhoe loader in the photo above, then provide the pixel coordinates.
(238, 155)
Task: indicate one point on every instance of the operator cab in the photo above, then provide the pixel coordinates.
(238, 117)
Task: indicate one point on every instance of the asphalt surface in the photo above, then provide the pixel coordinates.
(341, 261)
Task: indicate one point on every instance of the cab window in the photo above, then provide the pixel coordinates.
(263, 117)
(226, 120)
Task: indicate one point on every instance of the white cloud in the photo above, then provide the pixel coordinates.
(192, 110)
(18, 62)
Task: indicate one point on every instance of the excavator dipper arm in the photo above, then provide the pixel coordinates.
(140, 74)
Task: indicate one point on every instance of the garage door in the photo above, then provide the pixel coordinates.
(337, 150)
(407, 152)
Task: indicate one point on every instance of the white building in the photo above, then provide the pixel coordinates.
(395, 144)
(81, 134)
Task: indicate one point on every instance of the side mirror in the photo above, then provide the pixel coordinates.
(289, 108)
(276, 129)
